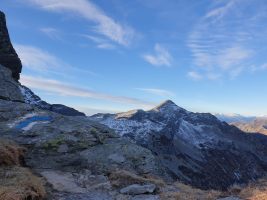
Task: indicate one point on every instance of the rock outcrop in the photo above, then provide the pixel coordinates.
(9, 88)
(8, 55)
(10, 69)
(196, 148)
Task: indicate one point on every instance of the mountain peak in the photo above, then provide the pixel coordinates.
(167, 105)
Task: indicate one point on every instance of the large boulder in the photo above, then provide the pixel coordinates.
(9, 88)
(8, 55)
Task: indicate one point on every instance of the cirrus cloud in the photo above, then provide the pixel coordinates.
(162, 57)
(104, 25)
(227, 40)
(64, 89)
(156, 91)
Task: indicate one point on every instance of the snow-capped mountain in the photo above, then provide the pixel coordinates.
(197, 148)
(232, 118)
(34, 100)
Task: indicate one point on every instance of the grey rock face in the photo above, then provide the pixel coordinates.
(9, 89)
(8, 55)
(138, 189)
(196, 148)
(11, 110)
(146, 197)
(62, 182)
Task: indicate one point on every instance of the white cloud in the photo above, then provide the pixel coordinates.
(60, 88)
(262, 67)
(41, 61)
(156, 91)
(227, 39)
(38, 59)
(53, 33)
(105, 25)
(162, 57)
(101, 43)
(195, 75)
(219, 12)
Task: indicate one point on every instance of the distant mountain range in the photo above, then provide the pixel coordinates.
(196, 148)
(258, 125)
(246, 124)
(232, 118)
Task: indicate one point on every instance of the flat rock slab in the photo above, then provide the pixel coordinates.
(137, 189)
(95, 195)
(117, 158)
(146, 197)
(62, 182)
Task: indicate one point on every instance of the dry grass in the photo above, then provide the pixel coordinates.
(10, 153)
(177, 191)
(186, 192)
(122, 178)
(17, 183)
(255, 191)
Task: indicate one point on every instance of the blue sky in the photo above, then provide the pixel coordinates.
(117, 55)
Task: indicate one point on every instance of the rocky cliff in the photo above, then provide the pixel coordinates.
(8, 55)
(10, 69)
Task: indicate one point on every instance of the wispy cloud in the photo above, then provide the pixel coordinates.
(37, 59)
(226, 40)
(161, 57)
(195, 75)
(100, 42)
(156, 91)
(52, 33)
(262, 67)
(104, 25)
(41, 61)
(60, 88)
(220, 11)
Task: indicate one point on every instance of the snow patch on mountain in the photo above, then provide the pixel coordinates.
(140, 129)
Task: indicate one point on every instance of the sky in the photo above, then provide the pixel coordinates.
(113, 56)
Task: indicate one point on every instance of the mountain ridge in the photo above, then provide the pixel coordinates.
(197, 144)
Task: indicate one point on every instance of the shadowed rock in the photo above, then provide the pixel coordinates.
(8, 55)
(9, 88)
